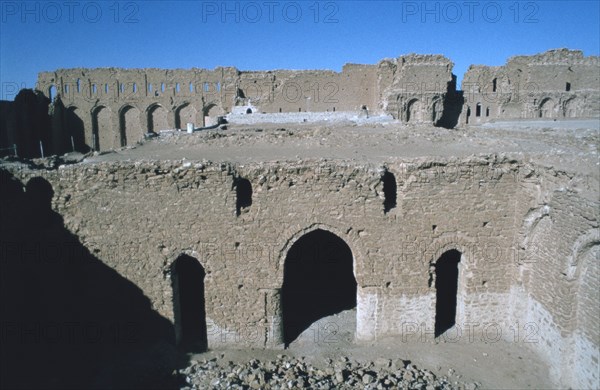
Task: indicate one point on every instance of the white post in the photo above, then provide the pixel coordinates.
(41, 149)
(190, 128)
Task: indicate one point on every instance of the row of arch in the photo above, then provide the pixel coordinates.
(319, 281)
(414, 110)
(101, 129)
(546, 108)
(549, 108)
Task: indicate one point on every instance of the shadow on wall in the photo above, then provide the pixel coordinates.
(67, 319)
(75, 133)
(33, 122)
(453, 105)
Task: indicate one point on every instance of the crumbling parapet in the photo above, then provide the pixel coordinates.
(416, 87)
(556, 84)
(117, 107)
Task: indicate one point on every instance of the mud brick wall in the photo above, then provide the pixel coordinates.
(528, 270)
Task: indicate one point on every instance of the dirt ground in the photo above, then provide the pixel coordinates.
(500, 365)
(565, 145)
(554, 141)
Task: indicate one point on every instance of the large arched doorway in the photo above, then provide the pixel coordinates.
(130, 126)
(211, 113)
(571, 108)
(318, 281)
(414, 111)
(446, 286)
(185, 114)
(547, 108)
(102, 133)
(157, 119)
(82, 141)
(189, 303)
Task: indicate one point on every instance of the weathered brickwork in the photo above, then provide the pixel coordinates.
(102, 109)
(561, 277)
(555, 84)
(528, 271)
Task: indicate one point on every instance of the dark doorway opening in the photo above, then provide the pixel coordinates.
(189, 295)
(76, 130)
(249, 111)
(446, 286)
(318, 281)
(243, 192)
(389, 191)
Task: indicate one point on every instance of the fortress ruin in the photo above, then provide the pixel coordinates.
(103, 109)
(420, 241)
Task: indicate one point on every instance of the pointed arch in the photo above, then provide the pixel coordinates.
(547, 108)
(414, 111)
(450, 261)
(185, 113)
(318, 281)
(102, 130)
(157, 118)
(210, 113)
(82, 137)
(130, 128)
(189, 304)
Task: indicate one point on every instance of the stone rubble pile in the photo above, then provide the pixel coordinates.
(288, 372)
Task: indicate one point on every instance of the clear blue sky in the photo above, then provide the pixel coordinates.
(260, 35)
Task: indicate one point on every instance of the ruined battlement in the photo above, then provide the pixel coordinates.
(107, 108)
(556, 84)
(555, 57)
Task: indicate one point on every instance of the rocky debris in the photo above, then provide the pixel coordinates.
(287, 372)
(47, 163)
